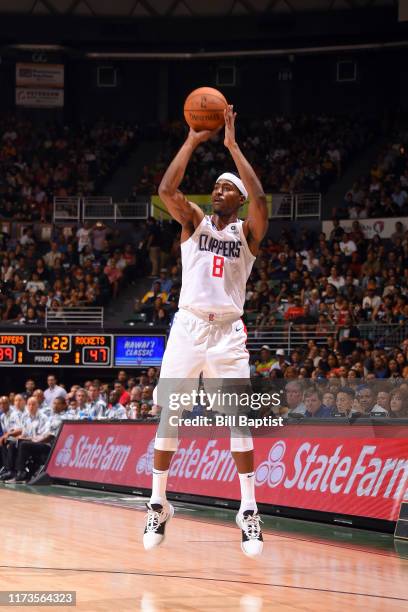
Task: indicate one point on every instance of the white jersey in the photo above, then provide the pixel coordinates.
(216, 267)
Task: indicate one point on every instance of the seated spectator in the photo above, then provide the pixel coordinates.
(294, 397)
(134, 406)
(329, 401)
(150, 296)
(381, 407)
(344, 402)
(115, 409)
(313, 404)
(398, 404)
(265, 362)
(33, 429)
(124, 396)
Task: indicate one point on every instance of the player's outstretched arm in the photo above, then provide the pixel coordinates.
(185, 212)
(256, 224)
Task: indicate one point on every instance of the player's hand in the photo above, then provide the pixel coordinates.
(229, 116)
(198, 137)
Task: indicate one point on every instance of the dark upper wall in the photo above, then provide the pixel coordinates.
(142, 92)
(381, 85)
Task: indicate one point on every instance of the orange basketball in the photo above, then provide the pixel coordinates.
(204, 109)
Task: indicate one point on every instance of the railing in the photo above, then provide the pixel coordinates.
(282, 206)
(388, 336)
(287, 337)
(77, 316)
(98, 207)
(308, 205)
(67, 209)
(132, 210)
(292, 335)
(101, 207)
(296, 206)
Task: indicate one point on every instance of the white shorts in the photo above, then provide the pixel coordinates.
(216, 348)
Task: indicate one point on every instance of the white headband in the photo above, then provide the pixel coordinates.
(228, 176)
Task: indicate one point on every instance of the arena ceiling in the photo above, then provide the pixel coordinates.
(181, 8)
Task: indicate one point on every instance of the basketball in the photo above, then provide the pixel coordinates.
(204, 109)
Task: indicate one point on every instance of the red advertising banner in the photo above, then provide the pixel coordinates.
(360, 470)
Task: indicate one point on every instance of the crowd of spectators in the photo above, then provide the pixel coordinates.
(320, 283)
(40, 162)
(302, 153)
(78, 267)
(342, 279)
(30, 418)
(363, 364)
(384, 191)
(343, 397)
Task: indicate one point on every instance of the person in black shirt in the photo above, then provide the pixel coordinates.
(347, 337)
(153, 245)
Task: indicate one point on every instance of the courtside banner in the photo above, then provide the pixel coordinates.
(359, 470)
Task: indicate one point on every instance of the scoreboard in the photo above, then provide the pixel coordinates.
(80, 350)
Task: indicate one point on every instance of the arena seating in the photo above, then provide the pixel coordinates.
(291, 154)
(384, 191)
(40, 162)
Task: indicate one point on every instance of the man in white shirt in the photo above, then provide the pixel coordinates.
(347, 245)
(371, 301)
(84, 237)
(96, 406)
(52, 255)
(53, 390)
(37, 436)
(42, 404)
(34, 425)
(294, 398)
(335, 279)
(280, 354)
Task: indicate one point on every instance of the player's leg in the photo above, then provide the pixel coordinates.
(228, 363)
(248, 519)
(182, 363)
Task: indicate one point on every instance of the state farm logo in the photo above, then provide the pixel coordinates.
(93, 453)
(272, 471)
(194, 462)
(145, 462)
(64, 455)
(365, 472)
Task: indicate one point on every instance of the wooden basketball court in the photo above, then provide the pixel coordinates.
(53, 543)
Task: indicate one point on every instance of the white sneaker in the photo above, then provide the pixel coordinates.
(156, 519)
(252, 541)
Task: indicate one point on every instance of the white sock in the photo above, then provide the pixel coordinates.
(159, 487)
(247, 482)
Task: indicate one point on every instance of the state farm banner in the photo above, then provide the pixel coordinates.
(40, 75)
(39, 98)
(359, 470)
(383, 227)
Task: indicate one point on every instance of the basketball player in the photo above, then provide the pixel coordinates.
(207, 334)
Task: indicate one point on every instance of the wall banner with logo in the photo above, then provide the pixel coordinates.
(40, 85)
(357, 470)
(383, 227)
(40, 75)
(39, 98)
